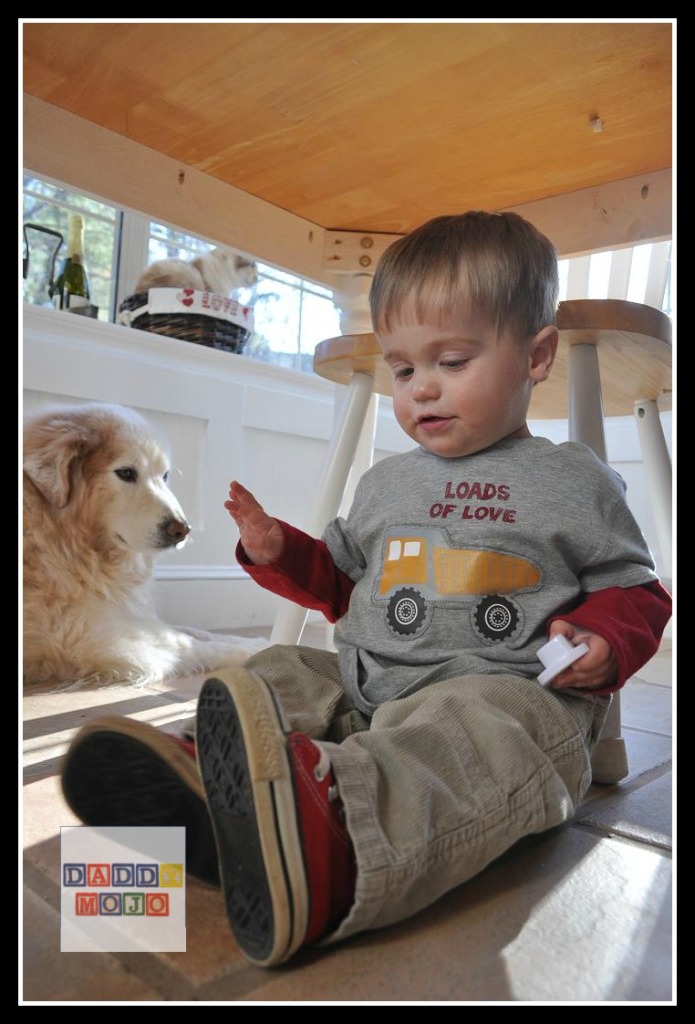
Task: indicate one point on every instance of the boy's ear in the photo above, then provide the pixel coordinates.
(542, 353)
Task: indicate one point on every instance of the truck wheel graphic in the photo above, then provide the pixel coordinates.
(495, 618)
(406, 611)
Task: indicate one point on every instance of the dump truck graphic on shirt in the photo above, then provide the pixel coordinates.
(420, 570)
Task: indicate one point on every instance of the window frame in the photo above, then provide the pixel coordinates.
(131, 253)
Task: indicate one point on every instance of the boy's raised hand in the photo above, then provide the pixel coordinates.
(260, 535)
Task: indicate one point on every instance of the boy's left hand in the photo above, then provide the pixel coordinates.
(594, 670)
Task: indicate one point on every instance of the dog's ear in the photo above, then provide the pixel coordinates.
(52, 446)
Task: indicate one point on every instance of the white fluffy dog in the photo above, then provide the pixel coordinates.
(219, 271)
(97, 511)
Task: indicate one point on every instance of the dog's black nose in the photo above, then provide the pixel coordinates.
(177, 530)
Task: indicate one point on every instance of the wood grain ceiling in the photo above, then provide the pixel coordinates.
(374, 126)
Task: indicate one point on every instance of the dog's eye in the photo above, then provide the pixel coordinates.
(165, 477)
(127, 473)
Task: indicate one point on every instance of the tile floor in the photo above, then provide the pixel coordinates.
(582, 914)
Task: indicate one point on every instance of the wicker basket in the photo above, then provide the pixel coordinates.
(187, 326)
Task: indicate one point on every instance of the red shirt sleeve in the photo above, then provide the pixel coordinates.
(305, 573)
(631, 619)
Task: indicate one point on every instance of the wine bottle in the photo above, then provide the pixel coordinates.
(70, 290)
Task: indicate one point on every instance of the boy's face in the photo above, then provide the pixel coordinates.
(458, 387)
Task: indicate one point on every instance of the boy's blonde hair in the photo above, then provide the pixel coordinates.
(495, 263)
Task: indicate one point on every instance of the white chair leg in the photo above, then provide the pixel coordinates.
(290, 619)
(609, 762)
(609, 759)
(584, 400)
(657, 467)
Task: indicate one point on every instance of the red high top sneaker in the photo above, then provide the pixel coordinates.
(118, 771)
(286, 860)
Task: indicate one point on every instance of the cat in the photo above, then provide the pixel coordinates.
(219, 271)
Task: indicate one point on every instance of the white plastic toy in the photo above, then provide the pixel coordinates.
(557, 655)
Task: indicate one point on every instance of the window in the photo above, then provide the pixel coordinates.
(291, 315)
(640, 273)
(47, 208)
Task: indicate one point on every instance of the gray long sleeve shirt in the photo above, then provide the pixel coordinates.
(459, 563)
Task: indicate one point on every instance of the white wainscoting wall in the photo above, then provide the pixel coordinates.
(229, 416)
